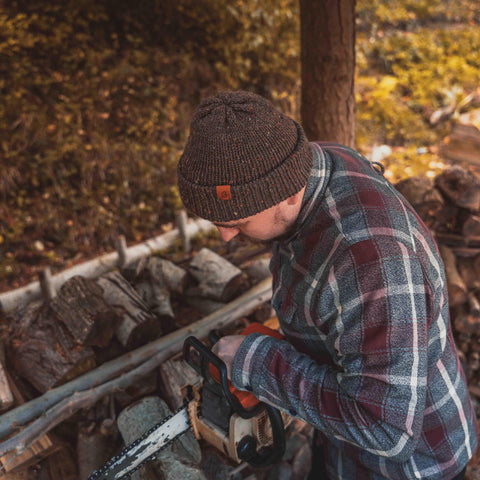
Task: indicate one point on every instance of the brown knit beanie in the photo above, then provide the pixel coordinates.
(242, 156)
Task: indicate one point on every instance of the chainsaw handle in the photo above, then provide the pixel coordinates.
(247, 449)
(208, 357)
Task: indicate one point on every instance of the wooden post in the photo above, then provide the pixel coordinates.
(181, 220)
(122, 250)
(46, 284)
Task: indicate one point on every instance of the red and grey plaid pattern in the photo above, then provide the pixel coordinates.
(370, 361)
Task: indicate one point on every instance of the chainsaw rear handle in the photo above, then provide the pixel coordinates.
(247, 448)
(208, 357)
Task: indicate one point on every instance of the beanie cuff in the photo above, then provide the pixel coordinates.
(247, 199)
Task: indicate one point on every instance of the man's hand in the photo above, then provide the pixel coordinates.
(226, 348)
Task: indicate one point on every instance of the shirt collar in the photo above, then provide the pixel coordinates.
(315, 188)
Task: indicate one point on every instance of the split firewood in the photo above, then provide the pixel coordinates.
(158, 301)
(43, 350)
(41, 448)
(138, 325)
(423, 196)
(167, 274)
(158, 270)
(461, 187)
(11, 300)
(175, 375)
(218, 278)
(465, 321)
(474, 304)
(80, 306)
(469, 272)
(471, 229)
(463, 144)
(457, 290)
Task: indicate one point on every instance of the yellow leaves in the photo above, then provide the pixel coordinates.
(387, 84)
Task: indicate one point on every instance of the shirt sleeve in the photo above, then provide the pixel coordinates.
(375, 305)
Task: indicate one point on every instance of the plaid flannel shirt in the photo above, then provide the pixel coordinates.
(369, 358)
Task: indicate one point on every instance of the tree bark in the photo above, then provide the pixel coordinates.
(328, 69)
(44, 352)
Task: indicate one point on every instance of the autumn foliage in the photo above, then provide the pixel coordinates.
(97, 97)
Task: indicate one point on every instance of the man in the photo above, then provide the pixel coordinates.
(358, 286)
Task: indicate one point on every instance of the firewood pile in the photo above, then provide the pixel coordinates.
(90, 366)
(98, 362)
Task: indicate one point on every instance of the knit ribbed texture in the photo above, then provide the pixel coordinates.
(242, 156)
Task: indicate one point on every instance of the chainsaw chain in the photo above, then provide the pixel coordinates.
(101, 471)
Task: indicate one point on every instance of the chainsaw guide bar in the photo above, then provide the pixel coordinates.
(145, 448)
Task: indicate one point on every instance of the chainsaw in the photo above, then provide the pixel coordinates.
(233, 421)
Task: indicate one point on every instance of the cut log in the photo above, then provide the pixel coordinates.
(457, 290)
(80, 306)
(43, 351)
(160, 271)
(157, 300)
(471, 229)
(461, 187)
(258, 270)
(138, 325)
(469, 273)
(166, 274)
(474, 304)
(218, 278)
(463, 144)
(175, 375)
(40, 449)
(423, 196)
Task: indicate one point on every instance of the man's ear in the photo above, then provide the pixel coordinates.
(294, 199)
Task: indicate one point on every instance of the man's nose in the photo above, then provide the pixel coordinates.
(228, 233)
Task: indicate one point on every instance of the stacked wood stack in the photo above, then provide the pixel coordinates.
(449, 205)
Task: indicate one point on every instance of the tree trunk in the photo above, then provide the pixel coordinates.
(328, 69)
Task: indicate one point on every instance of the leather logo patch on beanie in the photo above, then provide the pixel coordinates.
(223, 192)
